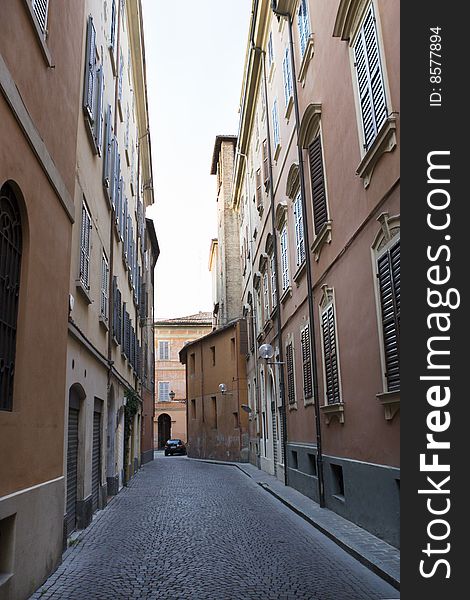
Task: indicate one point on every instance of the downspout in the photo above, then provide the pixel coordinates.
(311, 312)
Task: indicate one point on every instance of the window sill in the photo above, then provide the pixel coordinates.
(307, 57)
(103, 322)
(271, 72)
(293, 406)
(119, 103)
(112, 54)
(267, 326)
(289, 106)
(309, 401)
(333, 411)
(298, 275)
(385, 141)
(84, 291)
(391, 403)
(40, 35)
(286, 294)
(323, 237)
(339, 497)
(277, 151)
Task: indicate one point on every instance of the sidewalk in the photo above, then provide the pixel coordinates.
(380, 557)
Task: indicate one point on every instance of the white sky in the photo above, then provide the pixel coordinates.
(195, 53)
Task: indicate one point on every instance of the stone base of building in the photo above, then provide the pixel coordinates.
(147, 456)
(112, 485)
(31, 538)
(364, 493)
(84, 512)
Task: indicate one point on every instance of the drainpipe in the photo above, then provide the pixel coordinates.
(311, 313)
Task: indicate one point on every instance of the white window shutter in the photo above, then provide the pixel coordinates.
(99, 117)
(40, 8)
(90, 73)
(370, 80)
(284, 259)
(107, 150)
(85, 247)
(299, 230)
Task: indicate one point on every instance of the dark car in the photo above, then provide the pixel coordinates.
(174, 447)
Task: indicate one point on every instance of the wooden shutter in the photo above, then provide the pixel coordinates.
(107, 157)
(389, 285)
(90, 72)
(265, 164)
(306, 362)
(85, 247)
(320, 212)
(330, 356)
(259, 196)
(104, 286)
(99, 117)
(370, 81)
(290, 373)
(40, 12)
(299, 230)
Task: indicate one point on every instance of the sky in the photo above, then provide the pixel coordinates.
(194, 56)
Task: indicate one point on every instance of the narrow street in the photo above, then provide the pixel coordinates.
(184, 529)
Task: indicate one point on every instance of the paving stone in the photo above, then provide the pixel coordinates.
(187, 530)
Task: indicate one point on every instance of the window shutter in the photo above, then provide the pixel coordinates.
(40, 12)
(270, 50)
(119, 317)
(290, 374)
(265, 164)
(99, 117)
(121, 71)
(306, 362)
(275, 124)
(284, 259)
(304, 29)
(107, 157)
(370, 81)
(90, 73)
(320, 212)
(85, 247)
(113, 25)
(389, 284)
(104, 286)
(299, 230)
(330, 356)
(266, 296)
(259, 197)
(273, 282)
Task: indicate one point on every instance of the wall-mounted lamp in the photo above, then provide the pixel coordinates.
(266, 351)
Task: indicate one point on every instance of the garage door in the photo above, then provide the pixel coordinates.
(72, 466)
(96, 460)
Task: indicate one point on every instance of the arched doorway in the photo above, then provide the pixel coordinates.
(76, 397)
(164, 429)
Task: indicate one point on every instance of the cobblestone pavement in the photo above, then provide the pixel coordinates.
(193, 531)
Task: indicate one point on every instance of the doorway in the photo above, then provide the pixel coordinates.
(164, 430)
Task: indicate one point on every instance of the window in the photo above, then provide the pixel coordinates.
(266, 295)
(117, 312)
(104, 287)
(330, 355)
(320, 211)
(273, 281)
(286, 69)
(388, 277)
(108, 152)
(299, 231)
(93, 89)
(164, 350)
(337, 480)
(304, 26)
(84, 275)
(40, 8)
(275, 116)
(265, 164)
(163, 391)
(10, 270)
(270, 50)
(193, 408)
(284, 259)
(306, 362)
(212, 349)
(112, 37)
(369, 77)
(192, 363)
(290, 373)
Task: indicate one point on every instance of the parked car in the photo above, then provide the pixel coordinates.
(175, 447)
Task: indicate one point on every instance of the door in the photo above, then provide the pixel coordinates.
(96, 461)
(72, 470)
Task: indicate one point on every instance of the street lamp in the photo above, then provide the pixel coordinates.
(171, 395)
(266, 351)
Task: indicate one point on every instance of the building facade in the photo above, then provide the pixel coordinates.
(114, 251)
(170, 390)
(40, 92)
(216, 392)
(317, 185)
